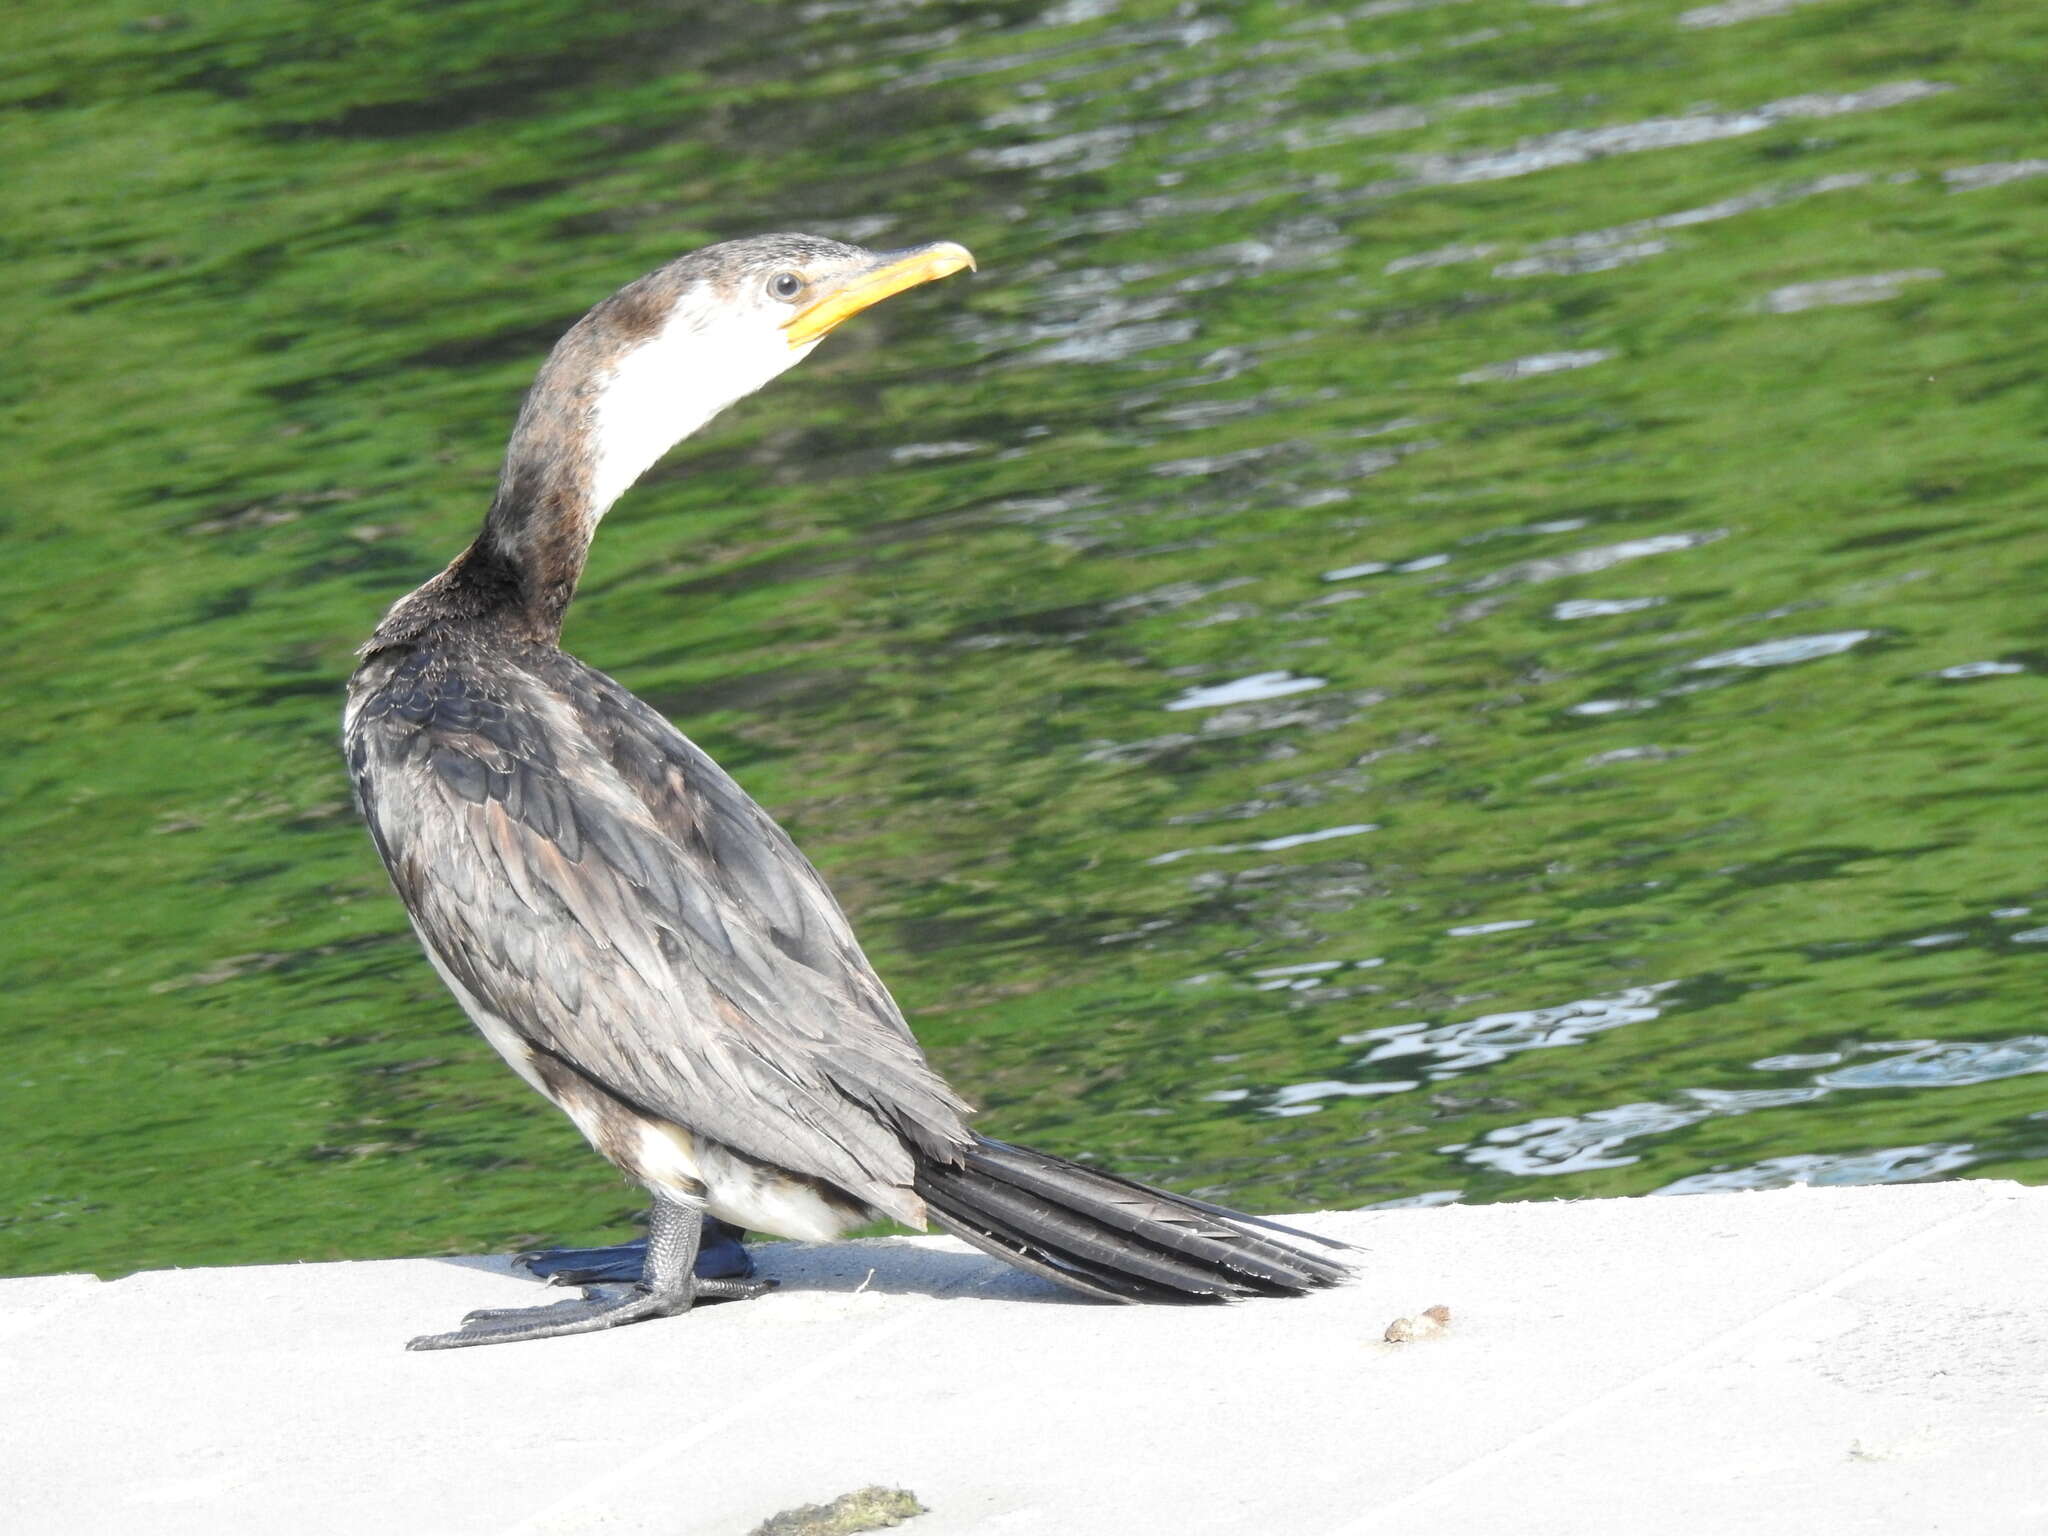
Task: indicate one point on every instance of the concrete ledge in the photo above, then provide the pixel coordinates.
(1808, 1361)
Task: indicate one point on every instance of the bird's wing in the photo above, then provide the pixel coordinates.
(596, 881)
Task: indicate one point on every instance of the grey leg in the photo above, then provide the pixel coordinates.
(668, 1285)
(719, 1257)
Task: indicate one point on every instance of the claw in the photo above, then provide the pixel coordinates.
(591, 1295)
(734, 1290)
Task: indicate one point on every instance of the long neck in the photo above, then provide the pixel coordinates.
(536, 536)
(604, 407)
(623, 387)
(627, 383)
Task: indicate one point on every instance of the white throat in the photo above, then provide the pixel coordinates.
(667, 387)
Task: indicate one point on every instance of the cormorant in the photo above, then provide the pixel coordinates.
(637, 937)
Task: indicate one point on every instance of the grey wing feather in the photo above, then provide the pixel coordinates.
(599, 883)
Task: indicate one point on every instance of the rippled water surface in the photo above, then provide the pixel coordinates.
(1455, 614)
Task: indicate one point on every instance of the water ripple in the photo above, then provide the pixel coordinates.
(1535, 364)
(1267, 845)
(1964, 671)
(1602, 607)
(1423, 1201)
(1559, 1144)
(1891, 1165)
(1634, 241)
(1323, 712)
(1586, 562)
(1593, 708)
(1740, 1101)
(1869, 288)
(1246, 690)
(1576, 146)
(1306, 1098)
(1729, 12)
(1401, 119)
(1442, 256)
(1975, 178)
(1783, 653)
(1504, 925)
(1579, 263)
(1494, 1037)
(1950, 1064)
(1798, 1062)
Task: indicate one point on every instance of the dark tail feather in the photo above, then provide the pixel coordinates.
(1112, 1237)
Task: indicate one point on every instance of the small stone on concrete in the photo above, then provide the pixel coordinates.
(1426, 1324)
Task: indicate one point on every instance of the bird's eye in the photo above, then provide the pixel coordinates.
(786, 286)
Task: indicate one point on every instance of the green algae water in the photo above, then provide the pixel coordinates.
(1455, 614)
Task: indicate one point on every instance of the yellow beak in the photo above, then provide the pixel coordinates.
(890, 275)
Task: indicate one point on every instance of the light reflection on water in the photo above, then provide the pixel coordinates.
(1265, 845)
(1564, 1145)
(1891, 1165)
(1493, 1037)
(1950, 1064)
(1244, 690)
(1783, 653)
(1575, 146)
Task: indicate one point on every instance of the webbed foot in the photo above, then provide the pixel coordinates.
(591, 1313)
(668, 1284)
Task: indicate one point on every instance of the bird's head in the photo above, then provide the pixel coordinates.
(662, 356)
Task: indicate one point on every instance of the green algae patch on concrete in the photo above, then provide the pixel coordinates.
(865, 1509)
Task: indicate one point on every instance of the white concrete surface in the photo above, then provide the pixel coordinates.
(1820, 1362)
